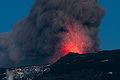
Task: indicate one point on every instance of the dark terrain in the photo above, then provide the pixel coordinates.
(103, 65)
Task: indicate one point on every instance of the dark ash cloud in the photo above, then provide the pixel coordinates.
(41, 35)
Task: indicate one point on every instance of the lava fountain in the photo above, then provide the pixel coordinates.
(77, 39)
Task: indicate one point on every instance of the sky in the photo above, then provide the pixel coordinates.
(12, 11)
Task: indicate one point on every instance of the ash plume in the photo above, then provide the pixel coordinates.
(51, 26)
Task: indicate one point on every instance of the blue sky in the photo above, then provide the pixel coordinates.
(15, 10)
(110, 27)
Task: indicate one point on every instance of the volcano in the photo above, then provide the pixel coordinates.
(103, 65)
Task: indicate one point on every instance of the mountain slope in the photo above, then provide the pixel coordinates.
(103, 65)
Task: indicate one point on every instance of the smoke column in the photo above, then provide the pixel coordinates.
(51, 30)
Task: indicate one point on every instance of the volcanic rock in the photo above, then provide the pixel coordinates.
(103, 65)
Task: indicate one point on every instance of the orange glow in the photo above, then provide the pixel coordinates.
(76, 40)
(72, 48)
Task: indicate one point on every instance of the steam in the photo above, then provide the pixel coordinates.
(52, 28)
(9, 75)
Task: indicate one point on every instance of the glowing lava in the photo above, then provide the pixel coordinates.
(73, 48)
(76, 40)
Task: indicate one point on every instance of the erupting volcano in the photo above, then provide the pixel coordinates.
(51, 30)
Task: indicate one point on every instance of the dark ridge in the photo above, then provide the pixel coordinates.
(103, 65)
(103, 60)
